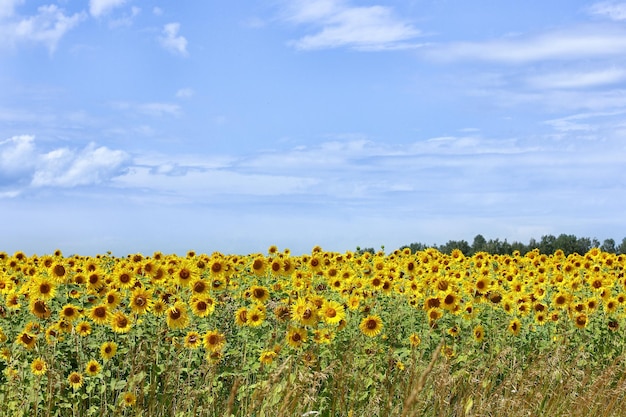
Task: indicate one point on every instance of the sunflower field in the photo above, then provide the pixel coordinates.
(320, 334)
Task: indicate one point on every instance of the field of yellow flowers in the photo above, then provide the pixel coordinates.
(328, 334)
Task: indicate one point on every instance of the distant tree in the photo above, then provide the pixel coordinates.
(461, 245)
(547, 244)
(361, 251)
(479, 244)
(520, 247)
(621, 249)
(608, 246)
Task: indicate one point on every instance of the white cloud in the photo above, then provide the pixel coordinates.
(612, 10)
(580, 79)
(68, 168)
(16, 155)
(99, 8)
(172, 41)
(576, 43)
(157, 11)
(21, 163)
(47, 27)
(7, 7)
(363, 28)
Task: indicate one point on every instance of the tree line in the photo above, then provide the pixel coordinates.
(547, 244)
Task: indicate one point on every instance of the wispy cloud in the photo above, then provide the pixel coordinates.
(578, 79)
(23, 165)
(574, 43)
(98, 8)
(172, 41)
(47, 27)
(154, 109)
(342, 25)
(611, 9)
(185, 93)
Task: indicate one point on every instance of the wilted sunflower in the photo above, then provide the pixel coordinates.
(27, 340)
(214, 341)
(177, 317)
(93, 368)
(581, 320)
(76, 380)
(371, 325)
(39, 309)
(192, 340)
(282, 313)
(108, 350)
(38, 367)
(241, 316)
(267, 357)
(414, 340)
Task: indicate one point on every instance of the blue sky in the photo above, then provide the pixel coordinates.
(137, 126)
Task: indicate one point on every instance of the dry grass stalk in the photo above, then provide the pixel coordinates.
(422, 381)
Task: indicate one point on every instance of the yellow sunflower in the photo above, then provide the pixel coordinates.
(70, 312)
(332, 312)
(140, 300)
(44, 289)
(371, 325)
(129, 399)
(202, 306)
(76, 380)
(83, 328)
(120, 322)
(514, 327)
(38, 367)
(296, 336)
(108, 350)
(256, 316)
(479, 333)
(214, 341)
(100, 314)
(177, 316)
(93, 368)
